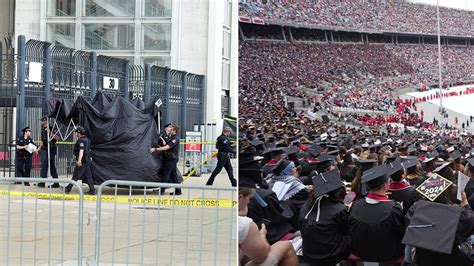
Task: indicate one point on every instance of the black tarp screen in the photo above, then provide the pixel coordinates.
(121, 134)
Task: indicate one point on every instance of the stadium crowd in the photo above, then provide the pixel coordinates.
(359, 76)
(384, 16)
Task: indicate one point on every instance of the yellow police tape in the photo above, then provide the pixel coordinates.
(207, 203)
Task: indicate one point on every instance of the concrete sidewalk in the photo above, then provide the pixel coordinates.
(45, 231)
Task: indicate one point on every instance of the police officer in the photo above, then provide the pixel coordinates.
(24, 154)
(48, 139)
(170, 158)
(223, 160)
(83, 161)
(163, 138)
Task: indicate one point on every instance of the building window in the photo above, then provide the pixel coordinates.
(227, 13)
(225, 74)
(61, 8)
(109, 36)
(61, 34)
(226, 44)
(162, 61)
(109, 8)
(157, 8)
(157, 37)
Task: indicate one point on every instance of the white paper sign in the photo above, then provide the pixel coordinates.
(30, 148)
(462, 181)
(110, 83)
(34, 72)
(280, 189)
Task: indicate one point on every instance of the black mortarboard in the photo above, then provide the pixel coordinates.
(274, 151)
(250, 170)
(256, 143)
(433, 227)
(248, 158)
(394, 167)
(280, 166)
(333, 153)
(25, 129)
(411, 149)
(433, 154)
(44, 118)
(412, 162)
(376, 176)
(456, 154)
(325, 158)
(433, 186)
(327, 182)
(366, 164)
(445, 170)
(470, 162)
(391, 158)
(292, 151)
(168, 124)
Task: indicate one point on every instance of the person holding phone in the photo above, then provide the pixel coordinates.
(325, 222)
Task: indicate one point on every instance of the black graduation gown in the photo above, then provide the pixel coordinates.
(279, 217)
(407, 195)
(377, 230)
(470, 192)
(465, 229)
(326, 241)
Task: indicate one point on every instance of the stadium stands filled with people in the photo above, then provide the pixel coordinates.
(338, 163)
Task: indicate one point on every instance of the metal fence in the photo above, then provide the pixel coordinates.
(46, 73)
(126, 223)
(38, 227)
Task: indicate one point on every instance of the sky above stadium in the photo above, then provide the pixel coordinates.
(462, 4)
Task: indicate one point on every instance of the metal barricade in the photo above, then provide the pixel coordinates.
(196, 228)
(37, 225)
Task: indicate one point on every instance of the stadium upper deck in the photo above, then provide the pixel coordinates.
(362, 15)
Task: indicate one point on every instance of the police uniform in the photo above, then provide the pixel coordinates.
(170, 160)
(84, 171)
(44, 155)
(223, 160)
(24, 158)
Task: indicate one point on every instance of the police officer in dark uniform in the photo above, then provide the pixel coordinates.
(163, 138)
(45, 136)
(170, 158)
(83, 161)
(223, 160)
(23, 160)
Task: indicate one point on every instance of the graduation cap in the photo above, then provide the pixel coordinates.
(433, 154)
(26, 129)
(274, 151)
(470, 162)
(433, 227)
(391, 158)
(456, 154)
(394, 167)
(433, 186)
(376, 176)
(292, 151)
(412, 162)
(411, 149)
(257, 143)
(248, 158)
(280, 166)
(326, 182)
(366, 164)
(250, 170)
(444, 170)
